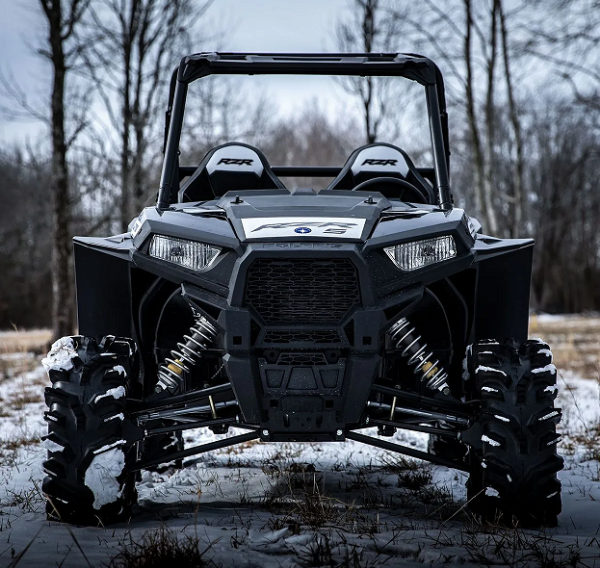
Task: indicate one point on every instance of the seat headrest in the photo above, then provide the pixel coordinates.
(229, 167)
(380, 160)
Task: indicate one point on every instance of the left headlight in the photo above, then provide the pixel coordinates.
(418, 254)
(189, 254)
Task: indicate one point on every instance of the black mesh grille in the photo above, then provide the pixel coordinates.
(302, 290)
(323, 336)
(302, 359)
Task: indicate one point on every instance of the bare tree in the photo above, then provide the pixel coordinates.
(310, 137)
(470, 109)
(518, 201)
(63, 17)
(472, 41)
(369, 29)
(133, 47)
(25, 238)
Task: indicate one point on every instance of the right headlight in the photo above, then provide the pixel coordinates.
(418, 254)
(189, 254)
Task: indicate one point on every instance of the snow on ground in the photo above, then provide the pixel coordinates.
(273, 505)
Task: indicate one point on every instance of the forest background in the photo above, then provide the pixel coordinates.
(523, 89)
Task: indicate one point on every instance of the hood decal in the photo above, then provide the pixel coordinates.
(311, 227)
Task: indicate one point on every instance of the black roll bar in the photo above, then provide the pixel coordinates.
(410, 66)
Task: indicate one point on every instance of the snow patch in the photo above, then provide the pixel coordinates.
(119, 369)
(60, 356)
(550, 368)
(503, 418)
(489, 389)
(116, 393)
(549, 415)
(546, 352)
(551, 388)
(491, 492)
(465, 368)
(491, 442)
(52, 446)
(489, 370)
(101, 476)
(109, 447)
(119, 416)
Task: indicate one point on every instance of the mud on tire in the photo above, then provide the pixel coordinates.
(513, 477)
(87, 418)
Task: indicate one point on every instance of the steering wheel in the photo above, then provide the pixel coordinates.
(394, 187)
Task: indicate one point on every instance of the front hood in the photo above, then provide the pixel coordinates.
(304, 215)
(277, 216)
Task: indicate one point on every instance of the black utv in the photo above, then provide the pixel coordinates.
(303, 315)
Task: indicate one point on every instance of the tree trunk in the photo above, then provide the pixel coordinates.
(518, 204)
(62, 286)
(472, 119)
(125, 174)
(490, 115)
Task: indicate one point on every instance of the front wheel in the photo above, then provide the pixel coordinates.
(513, 473)
(87, 481)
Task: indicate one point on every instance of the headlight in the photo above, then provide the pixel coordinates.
(189, 254)
(418, 254)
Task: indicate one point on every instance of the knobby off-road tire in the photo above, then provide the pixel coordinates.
(86, 416)
(513, 478)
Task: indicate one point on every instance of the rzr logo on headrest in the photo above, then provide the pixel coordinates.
(372, 162)
(236, 161)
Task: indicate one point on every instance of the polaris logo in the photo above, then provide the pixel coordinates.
(373, 162)
(235, 162)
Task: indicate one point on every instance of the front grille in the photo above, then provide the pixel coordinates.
(302, 359)
(302, 290)
(322, 336)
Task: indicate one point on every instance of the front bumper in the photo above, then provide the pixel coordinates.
(303, 376)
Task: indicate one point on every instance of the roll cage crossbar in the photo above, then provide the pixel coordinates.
(410, 66)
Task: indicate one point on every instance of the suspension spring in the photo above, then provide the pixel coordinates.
(170, 373)
(431, 373)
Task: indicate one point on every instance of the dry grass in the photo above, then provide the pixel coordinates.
(162, 547)
(35, 340)
(574, 340)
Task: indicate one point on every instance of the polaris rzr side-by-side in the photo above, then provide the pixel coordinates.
(303, 315)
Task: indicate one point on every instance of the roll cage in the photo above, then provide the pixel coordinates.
(410, 66)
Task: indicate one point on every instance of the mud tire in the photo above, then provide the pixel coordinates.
(87, 418)
(513, 475)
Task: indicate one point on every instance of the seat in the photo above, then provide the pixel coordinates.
(229, 167)
(384, 161)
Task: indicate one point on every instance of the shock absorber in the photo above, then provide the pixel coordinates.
(170, 373)
(431, 373)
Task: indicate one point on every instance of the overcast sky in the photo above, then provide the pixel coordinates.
(249, 25)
